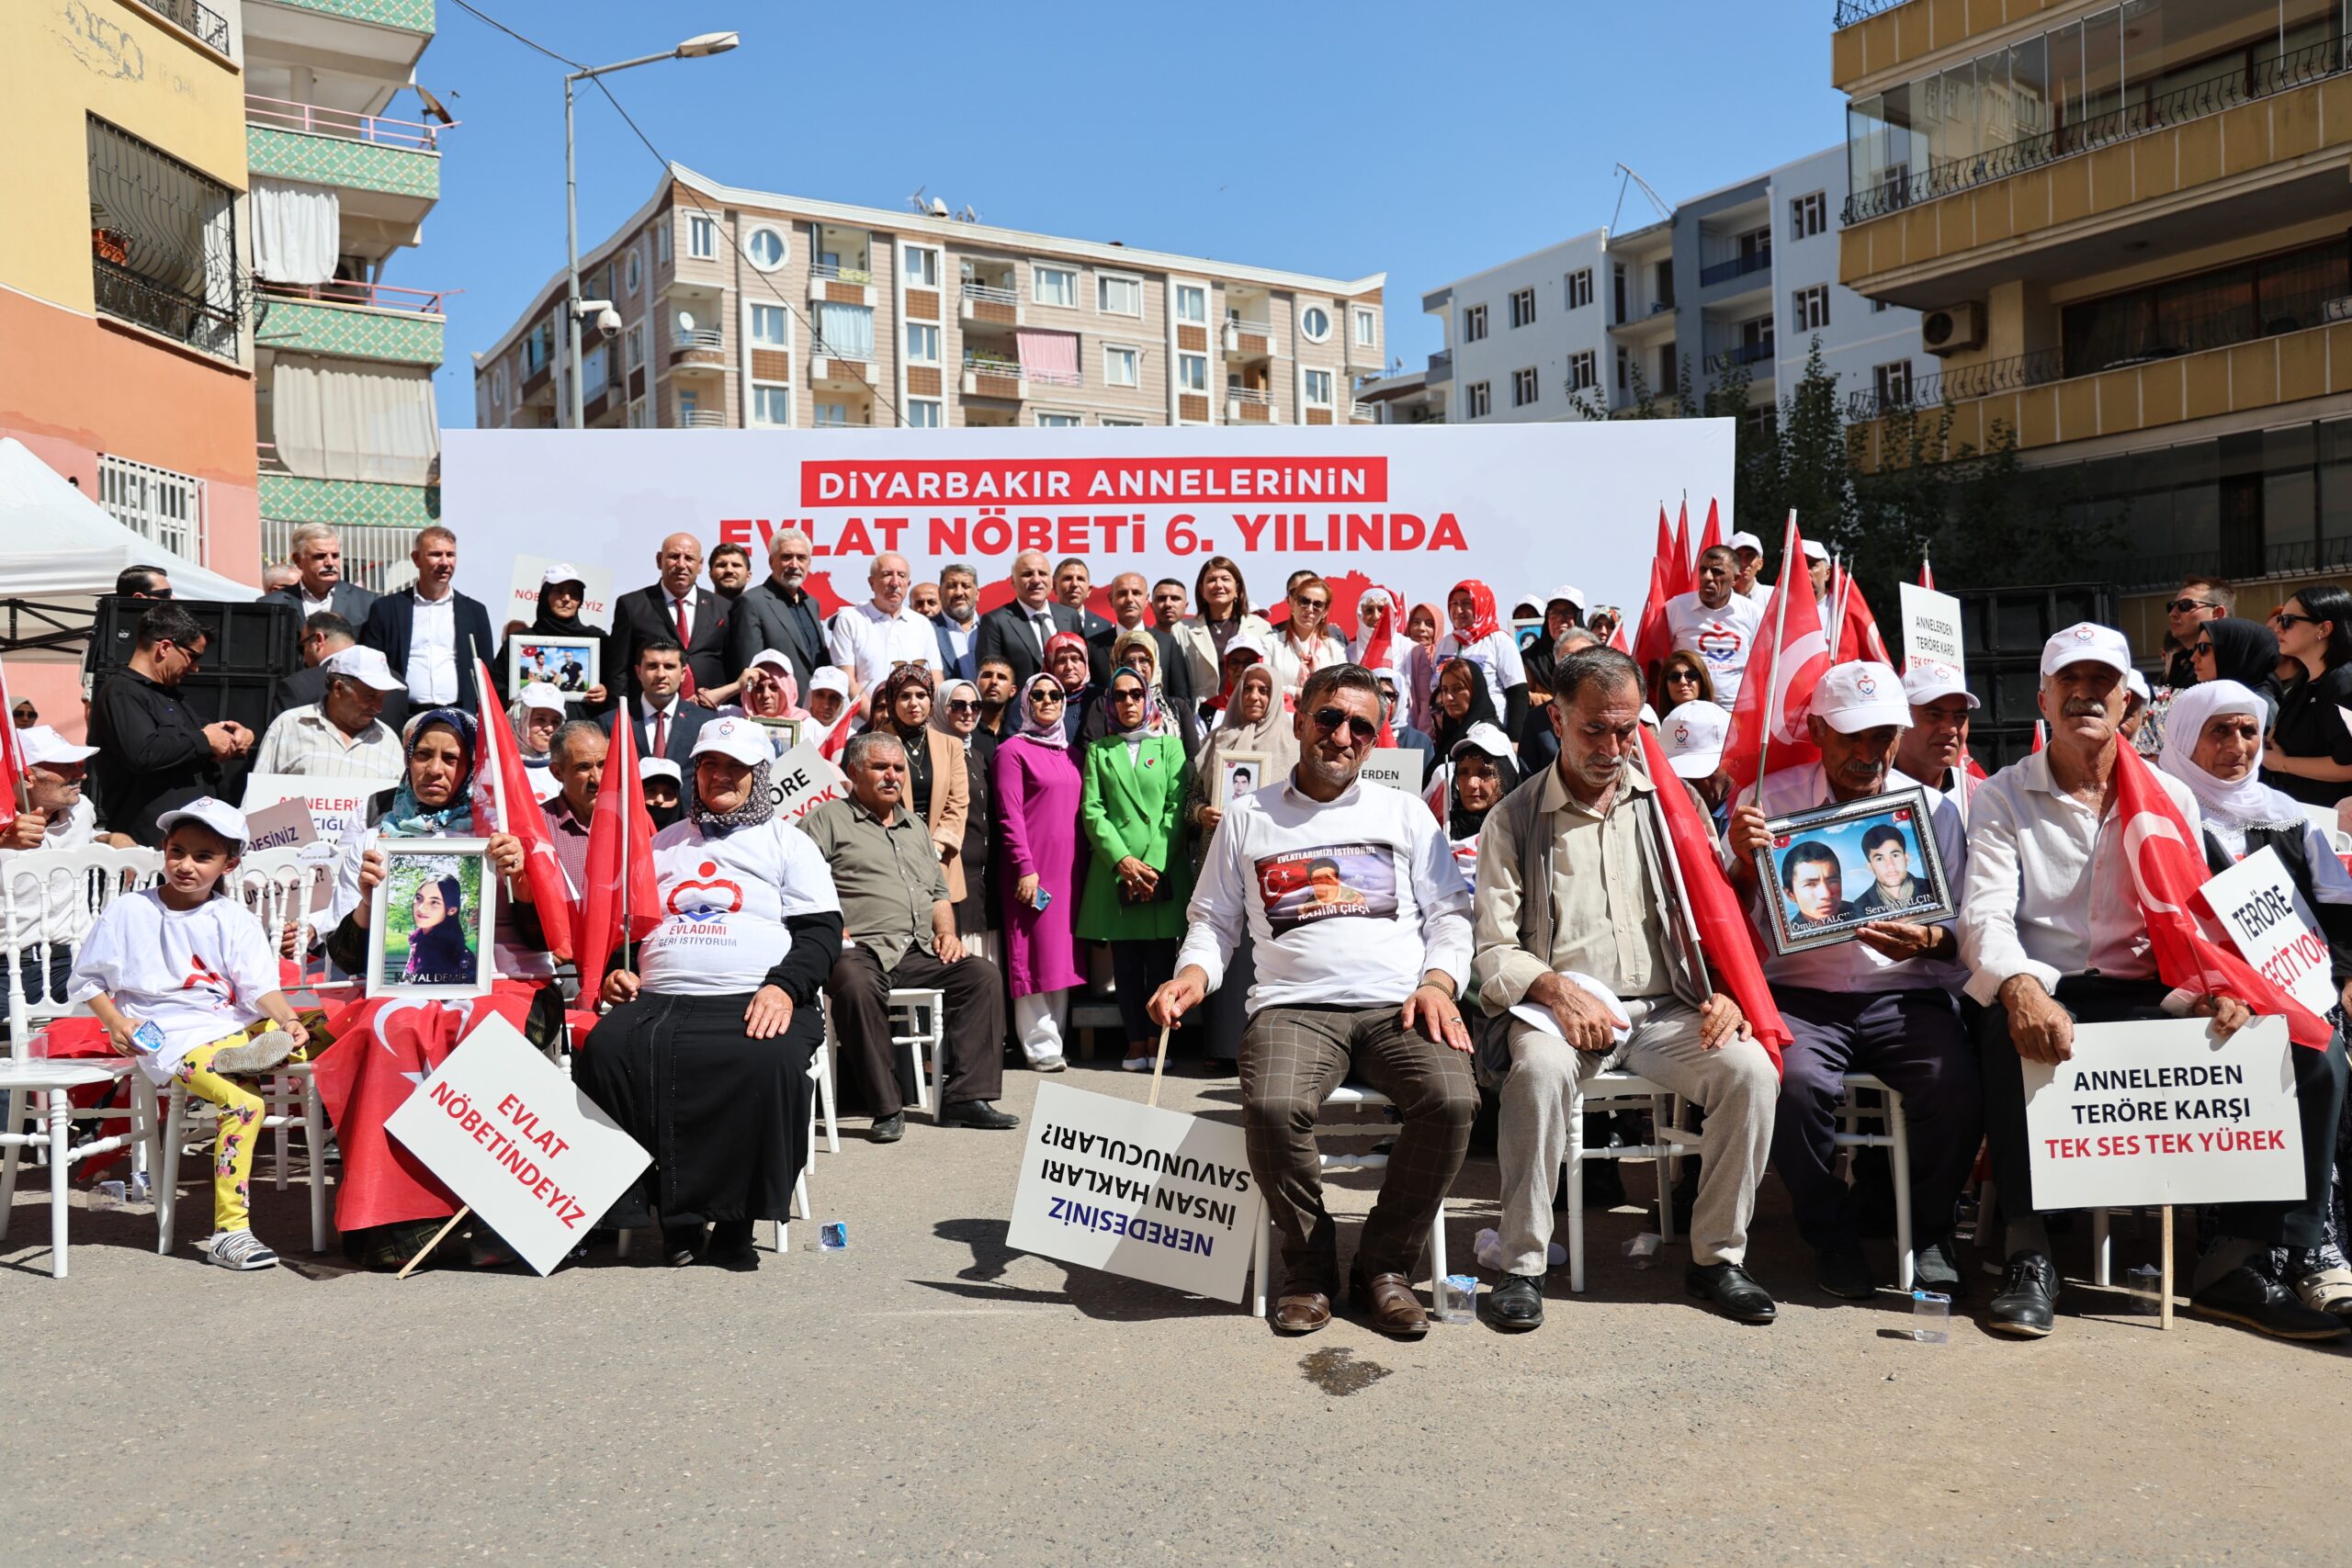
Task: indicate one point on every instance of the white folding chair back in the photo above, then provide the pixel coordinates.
(1353, 1098)
(1894, 1137)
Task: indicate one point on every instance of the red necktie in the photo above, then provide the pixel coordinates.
(686, 686)
(661, 733)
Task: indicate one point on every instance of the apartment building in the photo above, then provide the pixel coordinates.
(751, 309)
(348, 431)
(2126, 226)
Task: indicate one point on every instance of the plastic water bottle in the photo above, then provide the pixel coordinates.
(832, 1236)
(1642, 1250)
(1931, 1317)
(2146, 1283)
(1456, 1298)
(106, 1195)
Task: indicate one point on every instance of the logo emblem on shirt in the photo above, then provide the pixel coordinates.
(1718, 644)
(707, 899)
(203, 976)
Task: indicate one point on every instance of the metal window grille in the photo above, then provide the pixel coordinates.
(164, 244)
(156, 503)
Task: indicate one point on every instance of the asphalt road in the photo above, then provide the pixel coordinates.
(929, 1396)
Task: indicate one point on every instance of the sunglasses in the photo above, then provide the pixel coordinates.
(1672, 676)
(1337, 722)
(1038, 699)
(1312, 603)
(962, 708)
(1133, 696)
(2283, 619)
(2182, 606)
(2204, 649)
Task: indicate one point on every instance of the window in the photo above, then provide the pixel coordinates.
(1808, 214)
(1584, 371)
(771, 328)
(1318, 388)
(1893, 383)
(662, 244)
(923, 413)
(1316, 322)
(1057, 421)
(1118, 296)
(1473, 324)
(498, 387)
(1054, 285)
(1367, 328)
(1522, 308)
(538, 349)
(831, 416)
(1580, 289)
(1191, 304)
(922, 344)
(1193, 372)
(702, 237)
(640, 415)
(689, 407)
(1624, 363)
(765, 248)
(771, 404)
(922, 267)
(1812, 308)
(1477, 399)
(1119, 366)
(1524, 387)
(635, 342)
(1109, 423)
(157, 504)
(632, 269)
(164, 243)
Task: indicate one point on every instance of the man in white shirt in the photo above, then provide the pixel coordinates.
(1717, 624)
(1361, 925)
(432, 675)
(51, 814)
(870, 640)
(1748, 559)
(340, 736)
(1884, 1003)
(1935, 749)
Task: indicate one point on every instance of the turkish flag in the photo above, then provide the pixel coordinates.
(1685, 576)
(1858, 636)
(1725, 936)
(1713, 533)
(1926, 578)
(503, 799)
(620, 836)
(2168, 871)
(1793, 656)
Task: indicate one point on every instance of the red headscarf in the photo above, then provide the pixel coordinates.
(1482, 611)
(1387, 620)
(1054, 645)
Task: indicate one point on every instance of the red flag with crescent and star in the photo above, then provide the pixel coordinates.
(1791, 653)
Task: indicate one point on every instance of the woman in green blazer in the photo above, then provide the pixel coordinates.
(1139, 877)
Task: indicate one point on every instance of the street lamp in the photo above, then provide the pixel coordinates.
(695, 48)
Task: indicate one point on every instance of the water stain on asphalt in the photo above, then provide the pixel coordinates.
(1337, 1371)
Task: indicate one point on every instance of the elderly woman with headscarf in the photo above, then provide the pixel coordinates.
(1070, 662)
(1477, 774)
(1479, 636)
(767, 689)
(957, 716)
(2254, 1253)
(561, 594)
(538, 712)
(1252, 723)
(1038, 792)
(938, 787)
(705, 1057)
(1138, 878)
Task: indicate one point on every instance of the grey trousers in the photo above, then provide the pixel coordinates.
(1735, 1084)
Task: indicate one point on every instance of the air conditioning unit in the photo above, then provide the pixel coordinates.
(1953, 331)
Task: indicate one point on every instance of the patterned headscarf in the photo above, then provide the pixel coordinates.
(757, 808)
(406, 818)
(1154, 721)
(1049, 732)
(1483, 622)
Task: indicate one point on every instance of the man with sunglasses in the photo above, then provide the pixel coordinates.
(153, 753)
(1361, 925)
(2201, 599)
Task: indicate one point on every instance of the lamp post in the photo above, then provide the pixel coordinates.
(694, 48)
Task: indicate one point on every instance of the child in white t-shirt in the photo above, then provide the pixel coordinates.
(184, 979)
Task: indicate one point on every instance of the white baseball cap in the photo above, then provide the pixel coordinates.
(1861, 695)
(2137, 685)
(832, 678)
(1746, 541)
(542, 696)
(364, 665)
(769, 656)
(1692, 737)
(1568, 591)
(218, 815)
(40, 744)
(562, 571)
(661, 768)
(1816, 550)
(2086, 641)
(747, 742)
(1930, 680)
(1248, 642)
(1483, 737)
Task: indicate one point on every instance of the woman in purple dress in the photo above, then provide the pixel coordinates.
(1037, 794)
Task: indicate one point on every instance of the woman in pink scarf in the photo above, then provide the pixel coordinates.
(1415, 664)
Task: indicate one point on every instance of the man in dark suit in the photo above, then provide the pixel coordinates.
(1131, 602)
(673, 607)
(432, 634)
(324, 635)
(1016, 632)
(316, 552)
(780, 613)
(666, 723)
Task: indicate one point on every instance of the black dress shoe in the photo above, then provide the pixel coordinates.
(1735, 1295)
(2254, 1300)
(976, 1113)
(1516, 1304)
(2027, 1304)
(887, 1129)
(1844, 1272)
(678, 1244)
(730, 1246)
(1936, 1266)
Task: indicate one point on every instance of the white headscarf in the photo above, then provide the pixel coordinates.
(2229, 807)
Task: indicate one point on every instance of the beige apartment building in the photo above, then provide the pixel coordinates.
(748, 308)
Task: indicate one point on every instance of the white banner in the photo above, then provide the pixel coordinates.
(1398, 767)
(504, 1130)
(1413, 508)
(1931, 627)
(2160, 1113)
(1156, 1195)
(335, 803)
(2272, 928)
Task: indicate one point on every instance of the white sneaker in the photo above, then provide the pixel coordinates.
(1049, 1065)
(239, 1250)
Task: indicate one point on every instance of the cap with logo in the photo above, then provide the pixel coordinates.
(1861, 695)
(41, 745)
(1927, 680)
(1482, 738)
(562, 571)
(218, 815)
(1569, 592)
(364, 665)
(832, 678)
(2086, 641)
(769, 656)
(747, 742)
(543, 696)
(1692, 737)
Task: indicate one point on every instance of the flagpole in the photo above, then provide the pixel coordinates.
(1681, 891)
(1772, 669)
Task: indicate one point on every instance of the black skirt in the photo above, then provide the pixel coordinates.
(724, 1117)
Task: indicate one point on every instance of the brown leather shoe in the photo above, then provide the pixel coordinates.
(1395, 1308)
(1301, 1312)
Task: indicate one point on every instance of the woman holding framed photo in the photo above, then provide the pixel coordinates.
(1137, 884)
(559, 619)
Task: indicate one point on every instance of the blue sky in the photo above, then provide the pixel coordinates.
(1426, 141)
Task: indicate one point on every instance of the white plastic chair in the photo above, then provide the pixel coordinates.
(1352, 1098)
(1616, 1089)
(1894, 1137)
(919, 1024)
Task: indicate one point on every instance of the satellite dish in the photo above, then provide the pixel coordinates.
(686, 320)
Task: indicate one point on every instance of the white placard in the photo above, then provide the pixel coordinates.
(2272, 928)
(801, 781)
(285, 825)
(1132, 1189)
(335, 803)
(1397, 767)
(505, 1131)
(2153, 1114)
(1931, 626)
(522, 593)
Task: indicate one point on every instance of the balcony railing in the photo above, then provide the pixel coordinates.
(1852, 11)
(1982, 381)
(1256, 396)
(989, 365)
(1738, 266)
(199, 324)
(702, 419)
(1045, 377)
(2310, 63)
(1249, 328)
(310, 119)
(989, 293)
(836, 273)
(368, 296)
(1743, 354)
(701, 337)
(826, 351)
(1363, 412)
(210, 28)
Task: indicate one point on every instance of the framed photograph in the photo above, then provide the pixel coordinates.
(783, 733)
(1526, 633)
(1835, 869)
(1239, 774)
(567, 663)
(429, 924)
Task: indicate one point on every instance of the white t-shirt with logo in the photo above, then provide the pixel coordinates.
(198, 974)
(724, 902)
(1723, 638)
(1496, 657)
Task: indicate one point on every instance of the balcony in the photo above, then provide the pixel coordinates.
(829, 282)
(1742, 354)
(1440, 368)
(986, 305)
(827, 362)
(1737, 267)
(397, 158)
(987, 376)
(209, 27)
(1852, 11)
(1249, 339)
(351, 321)
(1362, 413)
(702, 419)
(207, 326)
(1248, 405)
(704, 348)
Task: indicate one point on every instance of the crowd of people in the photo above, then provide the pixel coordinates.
(1045, 805)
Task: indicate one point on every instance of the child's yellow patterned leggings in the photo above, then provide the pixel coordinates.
(233, 1150)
